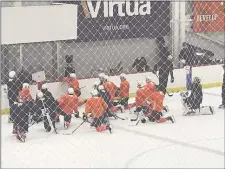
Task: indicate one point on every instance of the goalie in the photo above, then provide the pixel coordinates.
(192, 102)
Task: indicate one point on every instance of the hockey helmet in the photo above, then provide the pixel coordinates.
(12, 74)
(40, 94)
(170, 57)
(101, 75)
(44, 87)
(148, 79)
(122, 76)
(94, 93)
(197, 80)
(70, 91)
(106, 77)
(140, 84)
(25, 85)
(73, 75)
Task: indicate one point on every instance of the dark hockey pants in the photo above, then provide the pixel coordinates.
(67, 117)
(155, 116)
(21, 121)
(97, 122)
(163, 80)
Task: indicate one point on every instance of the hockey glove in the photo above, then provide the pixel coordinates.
(85, 118)
(172, 79)
(138, 109)
(76, 114)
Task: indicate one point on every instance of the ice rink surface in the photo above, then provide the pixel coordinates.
(191, 142)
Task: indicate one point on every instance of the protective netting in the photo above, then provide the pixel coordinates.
(115, 37)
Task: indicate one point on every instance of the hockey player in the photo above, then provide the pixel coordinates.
(13, 91)
(156, 103)
(45, 107)
(75, 84)
(95, 107)
(124, 90)
(223, 89)
(192, 103)
(150, 86)
(140, 99)
(165, 67)
(21, 116)
(110, 87)
(68, 104)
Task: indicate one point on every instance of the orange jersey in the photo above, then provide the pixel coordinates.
(140, 97)
(96, 106)
(157, 101)
(68, 103)
(68, 80)
(150, 88)
(111, 88)
(72, 83)
(75, 85)
(124, 89)
(25, 94)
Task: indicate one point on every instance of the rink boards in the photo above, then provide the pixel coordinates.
(211, 76)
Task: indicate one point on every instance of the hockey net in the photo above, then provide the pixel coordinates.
(112, 40)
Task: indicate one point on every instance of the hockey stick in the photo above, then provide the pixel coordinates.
(118, 117)
(82, 87)
(75, 128)
(170, 95)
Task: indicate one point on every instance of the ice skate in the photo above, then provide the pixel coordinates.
(56, 130)
(21, 136)
(171, 118)
(48, 129)
(14, 131)
(221, 106)
(9, 120)
(66, 125)
(109, 127)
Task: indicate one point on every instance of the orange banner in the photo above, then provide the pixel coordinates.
(209, 16)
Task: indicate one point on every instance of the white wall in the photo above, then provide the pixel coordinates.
(38, 23)
(208, 75)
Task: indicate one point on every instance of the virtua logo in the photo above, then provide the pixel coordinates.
(124, 8)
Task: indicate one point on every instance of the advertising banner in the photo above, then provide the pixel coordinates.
(105, 20)
(209, 16)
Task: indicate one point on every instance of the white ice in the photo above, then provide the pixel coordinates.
(191, 142)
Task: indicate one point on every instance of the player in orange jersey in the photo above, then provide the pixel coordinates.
(150, 86)
(140, 99)
(96, 107)
(68, 104)
(75, 84)
(110, 87)
(124, 90)
(156, 101)
(25, 92)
